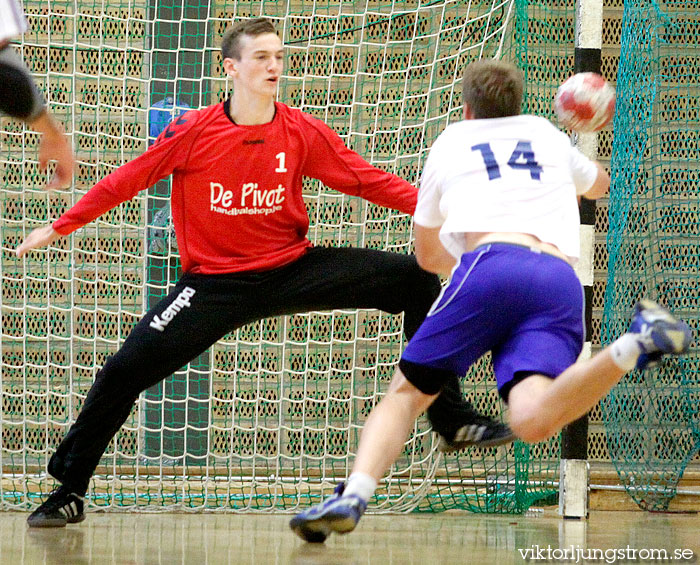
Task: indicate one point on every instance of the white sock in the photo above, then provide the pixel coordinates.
(625, 351)
(362, 485)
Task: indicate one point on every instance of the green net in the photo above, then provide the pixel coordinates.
(651, 418)
(268, 418)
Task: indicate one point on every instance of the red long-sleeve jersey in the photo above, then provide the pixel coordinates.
(236, 197)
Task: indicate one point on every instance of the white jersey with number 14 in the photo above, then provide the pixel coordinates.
(518, 174)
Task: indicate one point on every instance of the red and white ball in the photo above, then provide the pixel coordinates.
(585, 102)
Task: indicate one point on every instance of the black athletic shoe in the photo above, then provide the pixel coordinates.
(60, 508)
(459, 425)
(479, 432)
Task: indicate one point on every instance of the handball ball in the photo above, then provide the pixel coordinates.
(585, 102)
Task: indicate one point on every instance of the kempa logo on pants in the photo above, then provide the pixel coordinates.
(182, 301)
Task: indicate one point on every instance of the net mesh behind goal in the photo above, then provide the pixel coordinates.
(651, 418)
(269, 417)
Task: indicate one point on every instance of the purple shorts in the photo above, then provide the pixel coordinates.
(524, 306)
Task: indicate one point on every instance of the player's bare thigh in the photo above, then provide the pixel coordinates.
(527, 413)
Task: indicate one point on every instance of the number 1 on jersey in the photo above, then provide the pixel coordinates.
(281, 157)
(523, 157)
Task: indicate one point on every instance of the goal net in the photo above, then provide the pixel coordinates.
(269, 417)
(651, 418)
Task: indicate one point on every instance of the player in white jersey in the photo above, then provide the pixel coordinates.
(497, 212)
(20, 98)
(518, 175)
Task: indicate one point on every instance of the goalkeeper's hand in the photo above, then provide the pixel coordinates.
(40, 237)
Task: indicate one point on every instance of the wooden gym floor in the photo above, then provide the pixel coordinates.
(420, 539)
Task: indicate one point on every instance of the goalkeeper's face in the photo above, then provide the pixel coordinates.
(260, 65)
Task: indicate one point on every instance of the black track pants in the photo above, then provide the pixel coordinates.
(203, 308)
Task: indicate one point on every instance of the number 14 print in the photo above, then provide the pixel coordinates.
(522, 158)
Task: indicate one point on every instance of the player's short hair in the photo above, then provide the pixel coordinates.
(492, 89)
(231, 43)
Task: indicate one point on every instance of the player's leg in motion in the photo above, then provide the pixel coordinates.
(541, 406)
(398, 411)
(199, 311)
(381, 442)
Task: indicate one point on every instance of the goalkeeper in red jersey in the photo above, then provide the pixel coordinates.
(241, 226)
